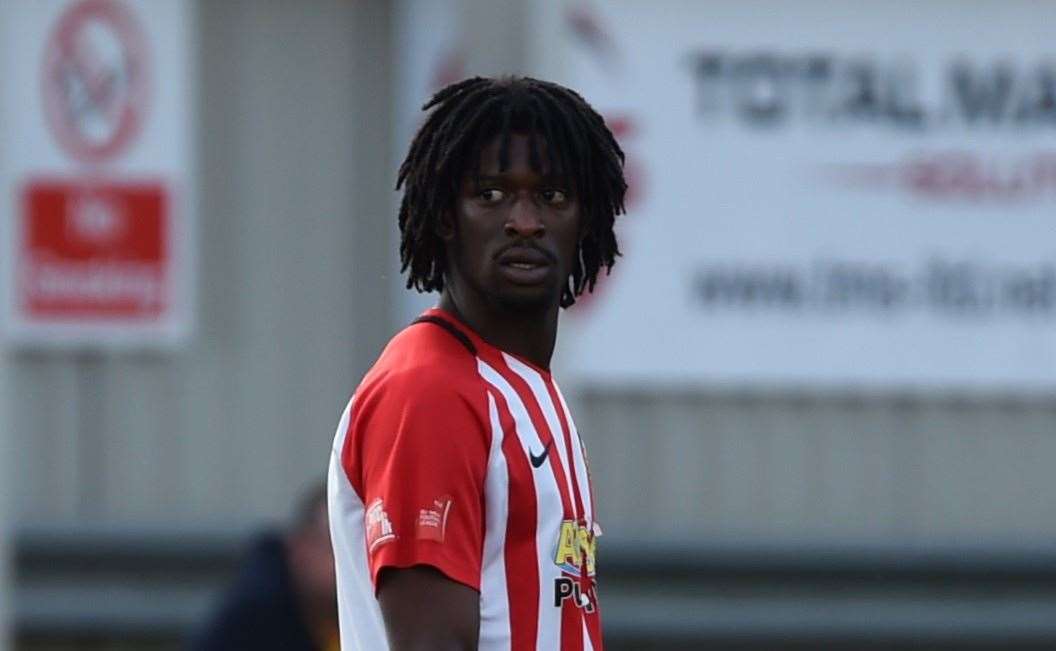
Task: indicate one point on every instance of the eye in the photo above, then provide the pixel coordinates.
(491, 195)
(555, 196)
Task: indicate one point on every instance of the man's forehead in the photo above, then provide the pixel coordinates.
(503, 151)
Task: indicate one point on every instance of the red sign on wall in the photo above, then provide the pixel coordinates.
(97, 175)
(94, 251)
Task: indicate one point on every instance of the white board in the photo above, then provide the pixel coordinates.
(823, 194)
(96, 181)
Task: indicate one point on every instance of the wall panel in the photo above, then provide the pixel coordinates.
(294, 224)
(897, 470)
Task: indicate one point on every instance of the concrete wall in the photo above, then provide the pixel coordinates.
(6, 461)
(296, 252)
(897, 470)
(294, 219)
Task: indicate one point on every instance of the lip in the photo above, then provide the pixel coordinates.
(524, 265)
(525, 256)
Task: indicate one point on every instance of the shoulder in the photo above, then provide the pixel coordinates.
(423, 362)
(423, 400)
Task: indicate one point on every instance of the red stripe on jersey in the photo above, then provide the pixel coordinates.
(566, 419)
(571, 626)
(349, 462)
(548, 438)
(572, 615)
(567, 435)
(522, 569)
(594, 626)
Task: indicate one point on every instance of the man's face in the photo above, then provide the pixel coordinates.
(516, 230)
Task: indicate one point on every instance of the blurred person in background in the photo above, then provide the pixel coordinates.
(284, 594)
(460, 502)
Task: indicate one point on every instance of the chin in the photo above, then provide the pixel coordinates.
(527, 299)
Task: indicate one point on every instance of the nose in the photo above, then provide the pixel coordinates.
(524, 219)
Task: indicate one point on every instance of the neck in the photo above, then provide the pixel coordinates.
(529, 333)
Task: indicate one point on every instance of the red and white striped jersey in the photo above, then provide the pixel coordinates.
(457, 455)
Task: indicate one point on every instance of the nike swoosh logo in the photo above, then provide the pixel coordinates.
(538, 460)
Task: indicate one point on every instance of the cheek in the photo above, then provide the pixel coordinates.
(569, 232)
(470, 249)
(477, 231)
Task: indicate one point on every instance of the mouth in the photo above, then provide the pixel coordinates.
(524, 266)
(524, 255)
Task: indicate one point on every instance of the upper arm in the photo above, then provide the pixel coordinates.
(420, 451)
(423, 609)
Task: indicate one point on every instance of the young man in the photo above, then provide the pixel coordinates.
(461, 510)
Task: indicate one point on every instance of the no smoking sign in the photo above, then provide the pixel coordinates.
(95, 79)
(99, 242)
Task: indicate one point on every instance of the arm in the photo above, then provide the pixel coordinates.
(426, 611)
(421, 467)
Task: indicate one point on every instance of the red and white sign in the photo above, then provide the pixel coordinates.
(94, 251)
(95, 184)
(96, 79)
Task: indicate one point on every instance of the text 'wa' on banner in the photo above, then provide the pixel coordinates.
(823, 194)
(96, 177)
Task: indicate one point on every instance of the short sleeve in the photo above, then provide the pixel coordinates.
(422, 452)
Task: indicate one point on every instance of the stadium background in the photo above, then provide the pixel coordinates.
(749, 514)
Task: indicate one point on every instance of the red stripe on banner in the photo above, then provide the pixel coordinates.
(521, 555)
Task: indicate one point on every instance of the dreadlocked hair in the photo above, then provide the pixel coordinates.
(465, 117)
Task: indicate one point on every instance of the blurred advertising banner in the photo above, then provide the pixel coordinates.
(832, 194)
(96, 172)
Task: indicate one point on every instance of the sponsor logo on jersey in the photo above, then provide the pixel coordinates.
(576, 548)
(378, 526)
(432, 520)
(539, 459)
(568, 589)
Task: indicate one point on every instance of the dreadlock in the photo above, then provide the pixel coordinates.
(465, 116)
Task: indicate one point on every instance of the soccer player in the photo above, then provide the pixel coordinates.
(461, 510)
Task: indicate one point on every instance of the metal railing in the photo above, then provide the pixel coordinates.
(104, 583)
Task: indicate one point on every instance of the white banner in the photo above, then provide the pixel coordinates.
(96, 199)
(823, 193)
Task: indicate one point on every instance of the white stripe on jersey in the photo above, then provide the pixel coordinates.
(581, 463)
(350, 555)
(542, 396)
(587, 644)
(549, 509)
(494, 602)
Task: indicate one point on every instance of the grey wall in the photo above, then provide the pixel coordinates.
(294, 189)
(897, 470)
(6, 462)
(296, 234)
